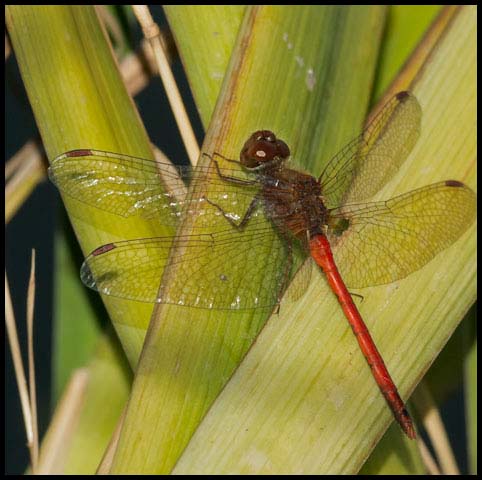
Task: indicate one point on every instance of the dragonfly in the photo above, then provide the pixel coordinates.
(259, 208)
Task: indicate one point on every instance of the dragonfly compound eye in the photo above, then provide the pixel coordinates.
(283, 149)
(262, 147)
(263, 135)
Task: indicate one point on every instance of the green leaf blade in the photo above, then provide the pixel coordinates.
(189, 353)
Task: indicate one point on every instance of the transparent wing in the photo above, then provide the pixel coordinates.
(360, 169)
(381, 242)
(300, 282)
(222, 270)
(127, 186)
(131, 186)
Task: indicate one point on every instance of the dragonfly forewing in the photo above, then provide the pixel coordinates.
(363, 166)
(131, 186)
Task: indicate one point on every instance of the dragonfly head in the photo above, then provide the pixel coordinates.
(263, 150)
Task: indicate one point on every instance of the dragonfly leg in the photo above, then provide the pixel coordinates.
(357, 295)
(228, 178)
(231, 160)
(245, 218)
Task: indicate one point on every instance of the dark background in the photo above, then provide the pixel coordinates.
(33, 227)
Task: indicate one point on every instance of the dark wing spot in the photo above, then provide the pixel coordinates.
(454, 183)
(79, 153)
(103, 249)
(402, 95)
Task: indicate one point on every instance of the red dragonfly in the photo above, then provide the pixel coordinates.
(258, 208)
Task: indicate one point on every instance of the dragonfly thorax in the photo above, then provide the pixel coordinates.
(294, 201)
